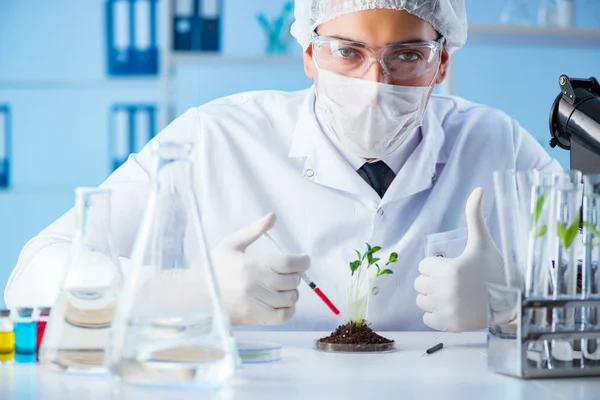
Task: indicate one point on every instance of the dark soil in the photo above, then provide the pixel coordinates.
(351, 333)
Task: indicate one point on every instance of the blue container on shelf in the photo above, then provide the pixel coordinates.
(131, 37)
(132, 126)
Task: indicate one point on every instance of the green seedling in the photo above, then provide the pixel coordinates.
(594, 232)
(539, 207)
(566, 235)
(358, 269)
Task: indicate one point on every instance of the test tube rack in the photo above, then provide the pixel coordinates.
(521, 348)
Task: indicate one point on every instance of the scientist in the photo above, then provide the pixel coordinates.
(366, 155)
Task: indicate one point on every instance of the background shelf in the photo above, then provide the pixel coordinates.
(517, 35)
(109, 84)
(190, 58)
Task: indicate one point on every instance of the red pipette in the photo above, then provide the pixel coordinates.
(311, 283)
(319, 293)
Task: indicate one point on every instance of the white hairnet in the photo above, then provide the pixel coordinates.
(448, 17)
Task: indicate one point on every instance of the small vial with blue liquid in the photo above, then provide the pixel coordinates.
(7, 338)
(25, 328)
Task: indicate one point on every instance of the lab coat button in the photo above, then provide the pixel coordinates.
(309, 173)
(375, 291)
(380, 211)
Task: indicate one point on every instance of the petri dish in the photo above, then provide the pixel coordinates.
(256, 352)
(355, 348)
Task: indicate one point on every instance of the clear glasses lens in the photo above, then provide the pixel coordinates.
(353, 59)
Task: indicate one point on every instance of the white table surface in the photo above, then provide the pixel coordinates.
(458, 371)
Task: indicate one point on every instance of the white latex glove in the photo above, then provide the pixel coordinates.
(451, 290)
(261, 290)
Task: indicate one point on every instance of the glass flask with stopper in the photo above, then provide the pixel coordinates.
(78, 328)
(171, 326)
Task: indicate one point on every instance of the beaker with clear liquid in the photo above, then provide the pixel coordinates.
(171, 326)
(78, 328)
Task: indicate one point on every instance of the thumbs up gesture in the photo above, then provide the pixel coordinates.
(452, 291)
(257, 291)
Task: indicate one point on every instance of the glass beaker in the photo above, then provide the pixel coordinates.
(79, 325)
(590, 276)
(171, 325)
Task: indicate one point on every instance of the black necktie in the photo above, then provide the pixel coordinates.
(376, 172)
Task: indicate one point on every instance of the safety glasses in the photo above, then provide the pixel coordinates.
(400, 61)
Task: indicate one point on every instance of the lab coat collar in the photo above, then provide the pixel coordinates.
(324, 164)
(327, 166)
(419, 171)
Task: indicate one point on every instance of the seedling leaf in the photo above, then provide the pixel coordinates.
(539, 207)
(359, 255)
(572, 232)
(593, 229)
(354, 266)
(541, 232)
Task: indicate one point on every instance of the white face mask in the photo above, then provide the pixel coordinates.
(371, 119)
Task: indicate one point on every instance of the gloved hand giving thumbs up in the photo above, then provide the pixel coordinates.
(451, 290)
(262, 290)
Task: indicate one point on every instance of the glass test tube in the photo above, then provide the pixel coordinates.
(510, 227)
(567, 246)
(590, 278)
(541, 234)
(538, 212)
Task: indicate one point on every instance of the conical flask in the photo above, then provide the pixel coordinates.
(171, 326)
(79, 325)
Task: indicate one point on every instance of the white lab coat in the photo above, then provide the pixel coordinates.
(265, 151)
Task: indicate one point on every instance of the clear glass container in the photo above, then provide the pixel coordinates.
(567, 248)
(548, 13)
(42, 322)
(542, 237)
(505, 184)
(355, 348)
(171, 327)
(517, 12)
(568, 243)
(7, 338)
(542, 234)
(25, 329)
(526, 180)
(590, 276)
(78, 327)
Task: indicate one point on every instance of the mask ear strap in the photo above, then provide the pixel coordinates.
(437, 71)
